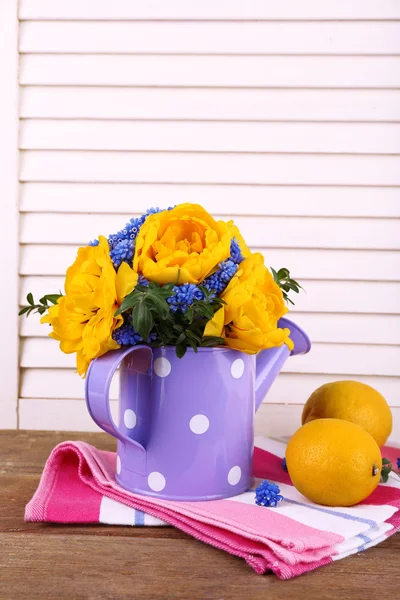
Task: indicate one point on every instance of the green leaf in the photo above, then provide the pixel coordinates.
(192, 336)
(293, 286)
(164, 292)
(142, 320)
(219, 302)
(129, 302)
(209, 341)
(283, 273)
(180, 350)
(384, 476)
(286, 283)
(205, 290)
(40, 308)
(181, 338)
(165, 327)
(192, 344)
(159, 304)
(53, 298)
(386, 469)
(189, 314)
(168, 287)
(204, 309)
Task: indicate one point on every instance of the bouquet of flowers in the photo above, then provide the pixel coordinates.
(173, 277)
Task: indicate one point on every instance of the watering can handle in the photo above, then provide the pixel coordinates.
(97, 389)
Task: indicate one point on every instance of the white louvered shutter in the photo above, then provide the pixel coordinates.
(284, 116)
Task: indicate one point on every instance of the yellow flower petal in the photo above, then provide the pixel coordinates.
(254, 305)
(215, 326)
(83, 320)
(126, 281)
(182, 245)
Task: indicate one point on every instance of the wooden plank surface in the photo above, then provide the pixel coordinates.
(45, 562)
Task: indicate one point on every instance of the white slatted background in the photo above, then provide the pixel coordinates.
(284, 116)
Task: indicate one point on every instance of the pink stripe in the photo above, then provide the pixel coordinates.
(245, 519)
(76, 477)
(269, 466)
(62, 496)
(212, 522)
(264, 525)
(392, 454)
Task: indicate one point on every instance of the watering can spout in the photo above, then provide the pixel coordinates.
(270, 362)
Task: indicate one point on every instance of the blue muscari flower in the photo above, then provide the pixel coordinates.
(127, 336)
(220, 279)
(93, 243)
(236, 254)
(184, 296)
(122, 243)
(284, 465)
(398, 463)
(143, 281)
(123, 251)
(268, 494)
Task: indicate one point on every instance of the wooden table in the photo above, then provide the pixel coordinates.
(111, 562)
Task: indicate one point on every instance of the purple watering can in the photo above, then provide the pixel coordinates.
(186, 425)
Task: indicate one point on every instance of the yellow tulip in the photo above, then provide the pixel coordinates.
(182, 245)
(254, 304)
(215, 326)
(83, 320)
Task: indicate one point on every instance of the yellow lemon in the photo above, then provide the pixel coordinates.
(352, 401)
(333, 462)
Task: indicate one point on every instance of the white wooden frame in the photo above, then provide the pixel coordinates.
(9, 213)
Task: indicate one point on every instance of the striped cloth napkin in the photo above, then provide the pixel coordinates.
(78, 486)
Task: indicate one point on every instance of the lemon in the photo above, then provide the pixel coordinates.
(333, 462)
(352, 401)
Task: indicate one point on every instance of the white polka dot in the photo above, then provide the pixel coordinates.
(199, 424)
(129, 418)
(237, 368)
(156, 481)
(118, 465)
(162, 367)
(234, 475)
